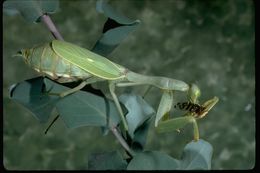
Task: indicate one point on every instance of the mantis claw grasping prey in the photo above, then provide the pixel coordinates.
(195, 111)
(66, 62)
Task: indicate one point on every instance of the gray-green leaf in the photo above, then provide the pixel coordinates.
(31, 10)
(153, 160)
(140, 135)
(78, 109)
(138, 111)
(197, 155)
(106, 161)
(113, 35)
(103, 7)
(84, 108)
(30, 94)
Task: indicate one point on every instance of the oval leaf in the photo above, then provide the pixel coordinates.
(153, 160)
(197, 155)
(86, 109)
(31, 10)
(138, 111)
(103, 7)
(140, 136)
(107, 161)
(115, 30)
(30, 94)
(78, 109)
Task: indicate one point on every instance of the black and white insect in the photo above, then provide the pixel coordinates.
(191, 107)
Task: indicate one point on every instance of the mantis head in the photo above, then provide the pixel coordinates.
(193, 95)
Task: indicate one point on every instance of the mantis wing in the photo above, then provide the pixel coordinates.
(93, 63)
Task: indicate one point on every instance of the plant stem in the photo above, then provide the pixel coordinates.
(53, 121)
(122, 141)
(50, 25)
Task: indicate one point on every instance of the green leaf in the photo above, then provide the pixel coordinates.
(153, 160)
(115, 30)
(103, 7)
(138, 111)
(78, 109)
(107, 161)
(31, 10)
(85, 109)
(197, 155)
(30, 94)
(140, 136)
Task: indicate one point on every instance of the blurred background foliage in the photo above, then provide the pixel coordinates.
(210, 43)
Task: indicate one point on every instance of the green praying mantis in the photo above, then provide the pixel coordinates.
(66, 62)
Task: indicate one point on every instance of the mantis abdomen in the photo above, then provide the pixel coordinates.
(44, 60)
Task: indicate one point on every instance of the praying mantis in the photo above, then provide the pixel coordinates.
(66, 62)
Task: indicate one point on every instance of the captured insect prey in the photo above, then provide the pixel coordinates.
(191, 107)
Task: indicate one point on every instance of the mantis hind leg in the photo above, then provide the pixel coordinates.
(77, 88)
(73, 90)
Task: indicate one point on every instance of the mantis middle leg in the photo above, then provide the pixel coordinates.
(164, 106)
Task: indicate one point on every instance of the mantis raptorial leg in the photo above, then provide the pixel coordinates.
(126, 84)
(195, 111)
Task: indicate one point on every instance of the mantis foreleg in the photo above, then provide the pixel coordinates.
(164, 106)
(195, 130)
(126, 84)
(177, 123)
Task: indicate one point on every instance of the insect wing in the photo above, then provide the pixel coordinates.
(87, 60)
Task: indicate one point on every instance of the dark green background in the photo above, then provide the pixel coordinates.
(209, 42)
